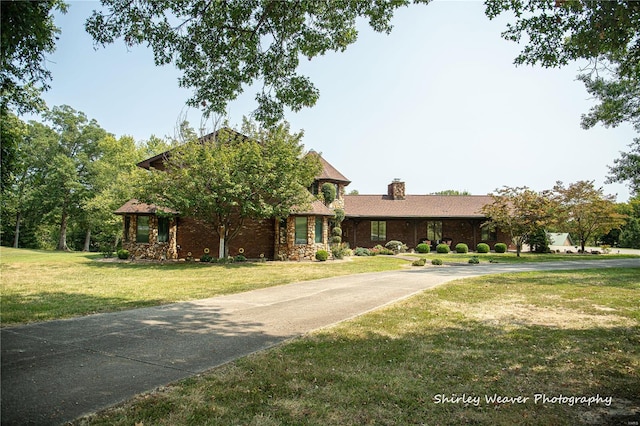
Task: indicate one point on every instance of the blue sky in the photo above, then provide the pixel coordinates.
(437, 103)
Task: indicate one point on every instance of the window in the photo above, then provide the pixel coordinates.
(434, 230)
(301, 230)
(319, 222)
(378, 230)
(127, 224)
(487, 233)
(163, 229)
(142, 230)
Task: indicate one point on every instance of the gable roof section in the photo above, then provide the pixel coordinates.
(157, 161)
(317, 208)
(134, 206)
(329, 172)
(416, 206)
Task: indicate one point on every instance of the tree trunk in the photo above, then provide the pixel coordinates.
(16, 237)
(87, 241)
(62, 241)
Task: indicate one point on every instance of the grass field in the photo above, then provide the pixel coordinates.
(44, 285)
(526, 349)
(40, 285)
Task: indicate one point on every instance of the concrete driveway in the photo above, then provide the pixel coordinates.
(56, 371)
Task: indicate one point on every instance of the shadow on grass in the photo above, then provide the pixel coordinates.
(56, 371)
(371, 378)
(45, 306)
(100, 262)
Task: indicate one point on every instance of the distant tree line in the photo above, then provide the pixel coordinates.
(69, 176)
(581, 209)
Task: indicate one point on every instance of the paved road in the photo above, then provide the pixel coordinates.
(56, 371)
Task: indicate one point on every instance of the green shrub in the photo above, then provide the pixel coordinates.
(442, 248)
(396, 246)
(106, 250)
(240, 258)
(337, 231)
(341, 250)
(474, 260)
(339, 215)
(423, 248)
(322, 255)
(206, 258)
(123, 254)
(336, 239)
(361, 251)
(483, 248)
(500, 248)
(419, 262)
(328, 192)
(462, 248)
(436, 262)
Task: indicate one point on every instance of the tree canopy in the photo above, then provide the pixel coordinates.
(229, 177)
(223, 47)
(585, 211)
(28, 34)
(520, 212)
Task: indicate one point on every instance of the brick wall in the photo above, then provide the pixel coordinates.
(255, 239)
(357, 232)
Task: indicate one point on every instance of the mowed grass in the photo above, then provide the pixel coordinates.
(568, 333)
(511, 257)
(44, 285)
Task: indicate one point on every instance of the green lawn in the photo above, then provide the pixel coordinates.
(43, 285)
(40, 285)
(511, 257)
(441, 357)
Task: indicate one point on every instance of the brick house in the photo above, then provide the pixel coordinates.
(369, 220)
(413, 219)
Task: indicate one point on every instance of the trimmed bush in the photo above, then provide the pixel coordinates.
(328, 192)
(436, 262)
(337, 231)
(240, 258)
(419, 262)
(483, 248)
(423, 248)
(500, 248)
(123, 254)
(361, 251)
(462, 248)
(206, 258)
(322, 255)
(442, 248)
(396, 246)
(474, 260)
(336, 239)
(340, 251)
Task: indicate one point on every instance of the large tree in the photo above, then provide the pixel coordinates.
(630, 233)
(605, 34)
(223, 47)
(28, 35)
(68, 169)
(520, 212)
(627, 168)
(585, 211)
(229, 177)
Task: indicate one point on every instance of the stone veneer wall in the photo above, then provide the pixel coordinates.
(287, 249)
(153, 249)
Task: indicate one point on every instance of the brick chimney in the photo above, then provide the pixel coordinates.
(395, 190)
